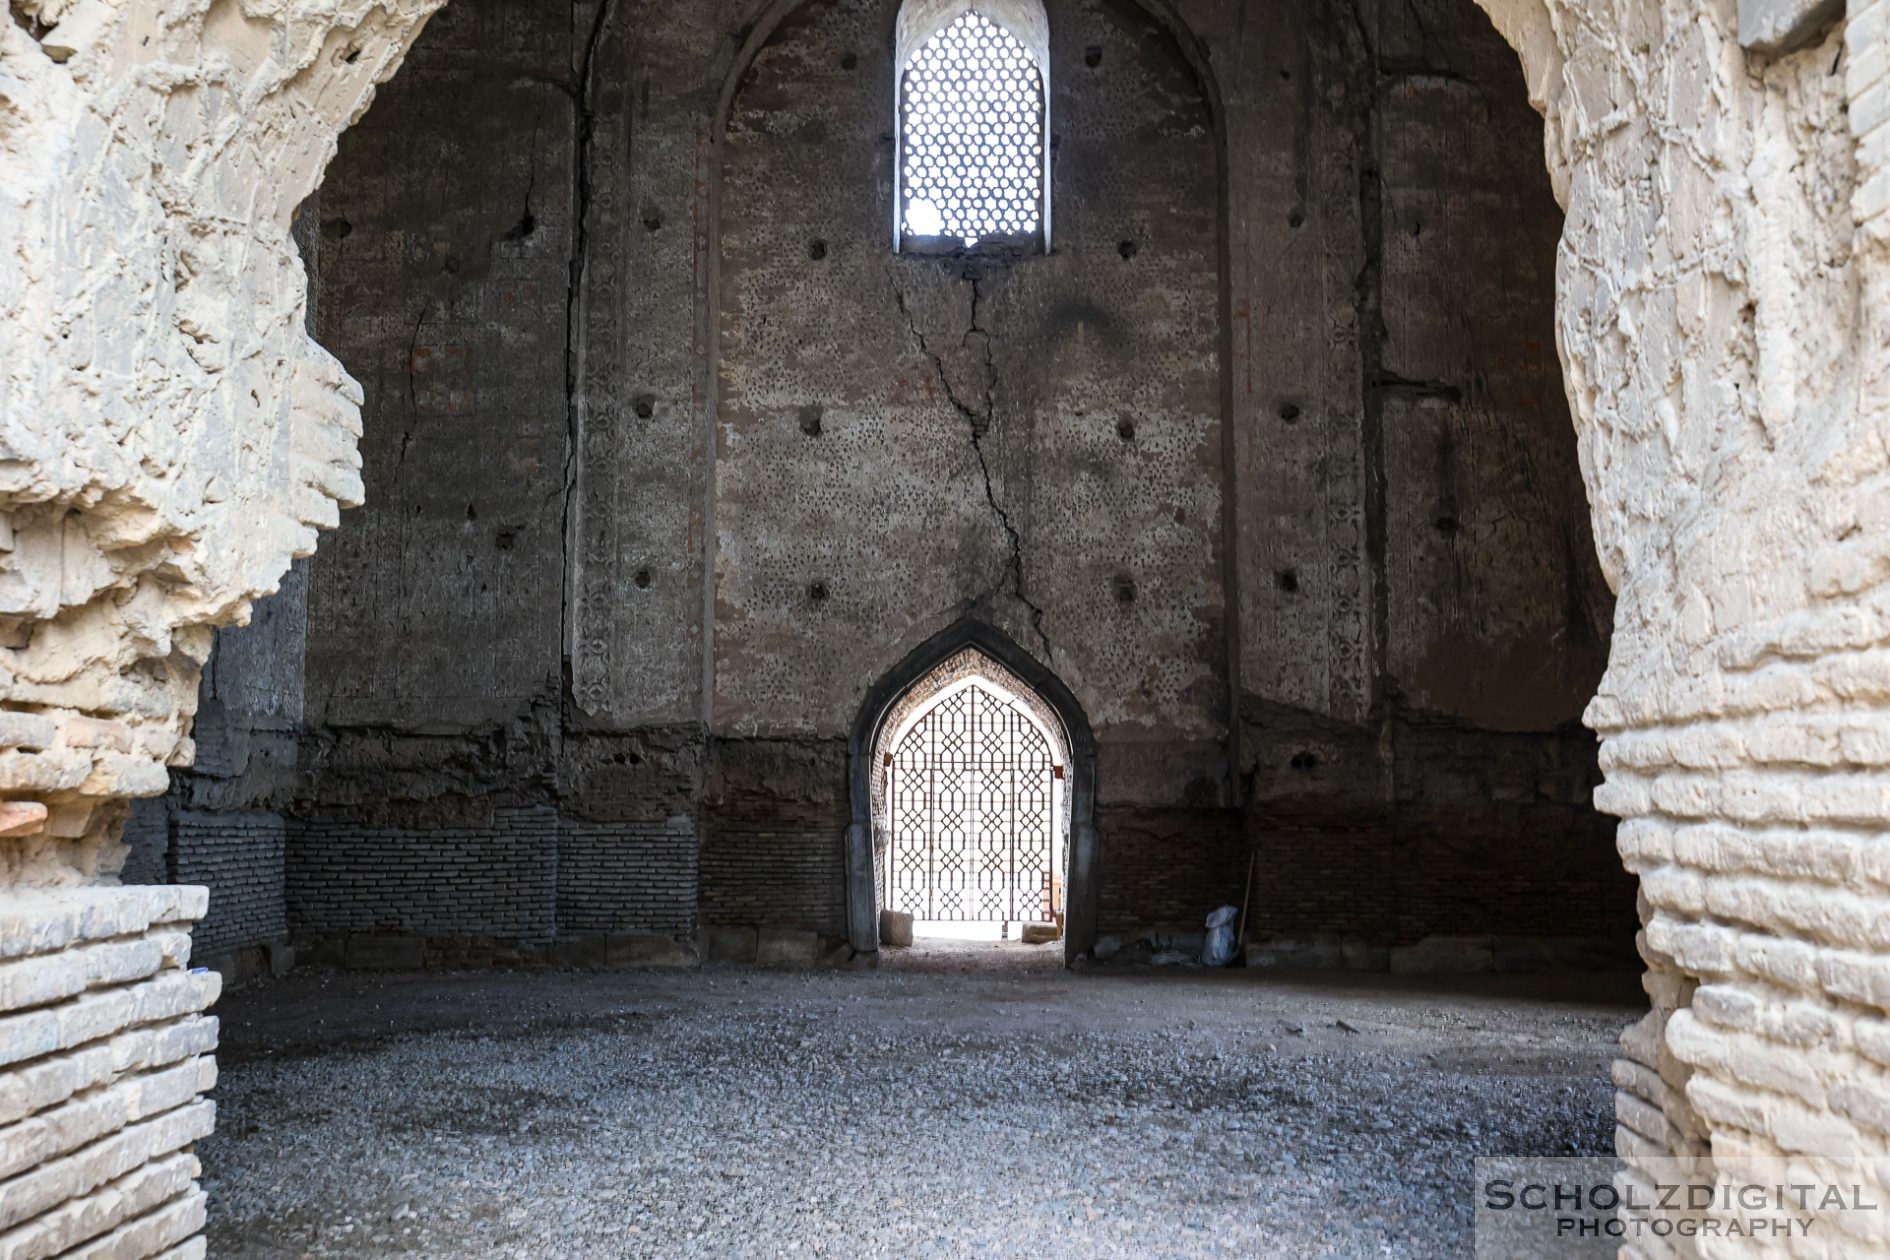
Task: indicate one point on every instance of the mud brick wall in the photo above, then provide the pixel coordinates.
(616, 877)
(495, 879)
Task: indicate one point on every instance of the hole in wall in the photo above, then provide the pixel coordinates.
(1128, 250)
(1295, 217)
(1287, 580)
(817, 250)
(643, 579)
(652, 218)
(1123, 587)
(644, 405)
(849, 60)
(810, 419)
(505, 539)
(1448, 525)
(1125, 429)
(29, 22)
(523, 228)
(818, 592)
(1305, 761)
(1092, 56)
(336, 229)
(1289, 412)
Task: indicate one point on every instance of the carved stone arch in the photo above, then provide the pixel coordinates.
(769, 15)
(882, 704)
(919, 20)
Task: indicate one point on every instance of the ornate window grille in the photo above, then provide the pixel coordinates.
(972, 126)
(972, 828)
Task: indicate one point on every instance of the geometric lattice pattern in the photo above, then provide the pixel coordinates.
(972, 134)
(970, 830)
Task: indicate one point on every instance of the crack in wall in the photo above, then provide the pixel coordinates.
(1405, 387)
(979, 420)
(1368, 305)
(413, 398)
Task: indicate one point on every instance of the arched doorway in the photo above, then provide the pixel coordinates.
(972, 775)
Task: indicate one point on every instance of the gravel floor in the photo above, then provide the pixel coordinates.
(961, 1101)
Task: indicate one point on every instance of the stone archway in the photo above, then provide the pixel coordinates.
(1725, 286)
(910, 684)
(1728, 385)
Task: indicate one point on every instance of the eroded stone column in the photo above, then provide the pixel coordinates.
(1721, 313)
(170, 439)
(105, 1054)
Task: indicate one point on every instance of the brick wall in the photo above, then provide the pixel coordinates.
(627, 877)
(774, 820)
(1428, 826)
(771, 872)
(522, 874)
(498, 880)
(239, 857)
(1165, 870)
(148, 842)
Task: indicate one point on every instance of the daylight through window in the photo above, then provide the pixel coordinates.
(972, 135)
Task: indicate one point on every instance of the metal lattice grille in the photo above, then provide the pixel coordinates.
(972, 809)
(972, 138)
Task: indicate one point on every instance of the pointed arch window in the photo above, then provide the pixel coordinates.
(974, 117)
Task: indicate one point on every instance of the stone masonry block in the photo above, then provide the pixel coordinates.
(37, 921)
(72, 1176)
(152, 1234)
(50, 1081)
(786, 948)
(165, 997)
(51, 977)
(729, 944)
(142, 1190)
(63, 1129)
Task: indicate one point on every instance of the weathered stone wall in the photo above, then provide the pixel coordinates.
(1420, 610)
(742, 379)
(221, 825)
(1721, 306)
(1722, 297)
(170, 438)
(903, 438)
(173, 436)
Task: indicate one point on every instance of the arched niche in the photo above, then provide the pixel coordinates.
(811, 318)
